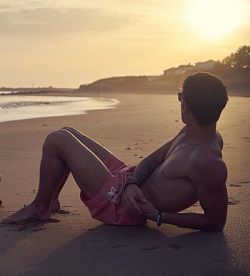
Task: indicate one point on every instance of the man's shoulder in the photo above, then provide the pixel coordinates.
(203, 158)
(207, 167)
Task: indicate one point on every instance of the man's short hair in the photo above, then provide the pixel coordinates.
(206, 96)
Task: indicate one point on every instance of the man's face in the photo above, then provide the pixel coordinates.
(181, 100)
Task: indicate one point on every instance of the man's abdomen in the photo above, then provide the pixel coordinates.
(169, 195)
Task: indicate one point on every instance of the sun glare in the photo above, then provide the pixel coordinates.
(214, 19)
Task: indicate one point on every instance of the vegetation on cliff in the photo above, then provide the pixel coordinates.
(234, 70)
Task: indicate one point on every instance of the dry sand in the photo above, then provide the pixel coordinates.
(79, 245)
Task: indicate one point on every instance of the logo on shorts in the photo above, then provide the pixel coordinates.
(113, 194)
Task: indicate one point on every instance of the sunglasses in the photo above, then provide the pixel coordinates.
(180, 96)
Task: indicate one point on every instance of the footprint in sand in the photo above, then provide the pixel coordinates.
(30, 226)
(235, 185)
(246, 138)
(119, 246)
(239, 184)
(62, 212)
(150, 247)
(175, 246)
(75, 213)
(228, 147)
(232, 201)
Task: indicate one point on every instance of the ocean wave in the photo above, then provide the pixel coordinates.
(10, 105)
(17, 107)
(3, 93)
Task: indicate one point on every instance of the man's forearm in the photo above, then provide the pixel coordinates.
(190, 220)
(142, 171)
(145, 168)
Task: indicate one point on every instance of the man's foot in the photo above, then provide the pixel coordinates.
(55, 206)
(30, 213)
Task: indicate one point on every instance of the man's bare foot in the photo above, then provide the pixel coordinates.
(30, 213)
(55, 206)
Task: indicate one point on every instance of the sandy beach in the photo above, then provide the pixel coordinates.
(76, 244)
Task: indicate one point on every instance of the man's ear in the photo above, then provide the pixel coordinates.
(185, 108)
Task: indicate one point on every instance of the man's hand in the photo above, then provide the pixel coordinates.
(149, 211)
(134, 198)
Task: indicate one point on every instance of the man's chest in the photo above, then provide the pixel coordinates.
(175, 164)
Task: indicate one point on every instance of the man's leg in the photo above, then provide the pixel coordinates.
(100, 151)
(55, 206)
(62, 150)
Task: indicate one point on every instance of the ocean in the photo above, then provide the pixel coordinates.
(19, 107)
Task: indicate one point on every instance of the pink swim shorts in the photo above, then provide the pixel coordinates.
(107, 205)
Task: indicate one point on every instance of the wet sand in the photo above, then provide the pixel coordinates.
(76, 244)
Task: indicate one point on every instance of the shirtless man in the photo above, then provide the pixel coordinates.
(187, 169)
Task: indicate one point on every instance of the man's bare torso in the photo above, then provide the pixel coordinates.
(169, 188)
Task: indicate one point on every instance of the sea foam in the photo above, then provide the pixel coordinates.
(19, 107)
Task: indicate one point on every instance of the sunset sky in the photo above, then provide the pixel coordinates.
(70, 42)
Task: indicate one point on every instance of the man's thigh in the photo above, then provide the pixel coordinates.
(87, 169)
(100, 151)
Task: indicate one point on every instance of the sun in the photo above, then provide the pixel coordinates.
(215, 19)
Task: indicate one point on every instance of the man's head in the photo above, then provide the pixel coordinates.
(205, 96)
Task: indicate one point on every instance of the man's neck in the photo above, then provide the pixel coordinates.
(200, 134)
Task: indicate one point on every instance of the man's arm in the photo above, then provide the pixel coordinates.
(213, 201)
(212, 194)
(145, 168)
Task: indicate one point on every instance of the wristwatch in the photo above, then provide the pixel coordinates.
(158, 219)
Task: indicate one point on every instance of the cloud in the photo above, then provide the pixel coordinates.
(48, 21)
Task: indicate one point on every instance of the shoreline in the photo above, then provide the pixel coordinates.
(104, 95)
(19, 107)
(72, 92)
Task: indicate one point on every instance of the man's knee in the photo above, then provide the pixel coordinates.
(53, 139)
(70, 129)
